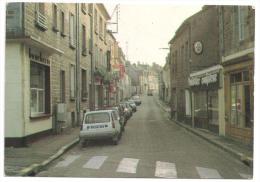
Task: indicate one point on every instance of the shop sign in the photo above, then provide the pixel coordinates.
(208, 81)
(37, 56)
(194, 81)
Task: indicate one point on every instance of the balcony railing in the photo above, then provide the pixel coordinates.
(41, 21)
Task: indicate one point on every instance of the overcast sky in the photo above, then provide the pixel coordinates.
(149, 27)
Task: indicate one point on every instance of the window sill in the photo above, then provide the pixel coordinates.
(40, 116)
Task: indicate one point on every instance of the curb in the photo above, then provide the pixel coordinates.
(242, 157)
(35, 168)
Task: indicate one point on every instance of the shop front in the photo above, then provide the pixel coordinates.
(239, 113)
(205, 86)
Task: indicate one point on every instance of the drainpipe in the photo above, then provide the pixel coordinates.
(92, 91)
(78, 100)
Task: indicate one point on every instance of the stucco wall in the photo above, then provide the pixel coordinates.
(13, 91)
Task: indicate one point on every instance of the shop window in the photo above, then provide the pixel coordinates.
(213, 107)
(241, 106)
(39, 88)
(200, 104)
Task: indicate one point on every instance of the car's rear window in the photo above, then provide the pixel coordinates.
(97, 118)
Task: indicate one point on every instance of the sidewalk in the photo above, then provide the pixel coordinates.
(238, 150)
(28, 160)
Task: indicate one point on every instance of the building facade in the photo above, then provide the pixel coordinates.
(194, 51)
(237, 47)
(53, 50)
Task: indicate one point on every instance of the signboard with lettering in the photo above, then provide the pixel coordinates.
(208, 81)
(38, 57)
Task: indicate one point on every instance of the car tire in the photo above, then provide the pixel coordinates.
(82, 143)
(115, 141)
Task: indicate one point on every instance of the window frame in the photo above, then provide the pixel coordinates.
(55, 17)
(72, 34)
(62, 23)
(84, 84)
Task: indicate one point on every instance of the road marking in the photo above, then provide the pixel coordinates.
(165, 170)
(95, 162)
(207, 173)
(127, 165)
(246, 176)
(69, 159)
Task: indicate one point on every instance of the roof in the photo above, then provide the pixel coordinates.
(99, 111)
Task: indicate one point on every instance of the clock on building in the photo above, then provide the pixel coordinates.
(198, 47)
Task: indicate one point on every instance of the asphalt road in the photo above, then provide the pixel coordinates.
(151, 147)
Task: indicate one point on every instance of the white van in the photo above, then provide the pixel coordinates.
(100, 125)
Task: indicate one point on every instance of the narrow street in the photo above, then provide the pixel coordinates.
(151, 146)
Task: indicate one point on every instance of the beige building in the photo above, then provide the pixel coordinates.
(48, 66)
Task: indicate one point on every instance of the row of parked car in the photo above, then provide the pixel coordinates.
(108, 123)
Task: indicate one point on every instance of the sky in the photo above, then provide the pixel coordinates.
(144, 29)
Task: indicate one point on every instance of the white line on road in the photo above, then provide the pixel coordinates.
(95, 162)
(207, 173)
(128, 165)
(165, 170)
(69, 159)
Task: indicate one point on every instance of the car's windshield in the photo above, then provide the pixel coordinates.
(97, 118)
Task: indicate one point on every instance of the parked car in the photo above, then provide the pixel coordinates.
(103, 124)
(119, 116)
(133, 105)
(150, 93)
(137, 100)
(128, 110)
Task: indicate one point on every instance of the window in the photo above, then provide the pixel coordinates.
(72, 31)
(90, 9)
(62, 86)
(83, 8)
(97, 118)
(84, 48)
(41, 20)
(105, 32)
(41, 8)
(241, 100)
(72, 81)
(62, 24)
(241, 22)
(95, 22)
(84, 84)
(55, 17)
(101, 27)
(39, 87)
